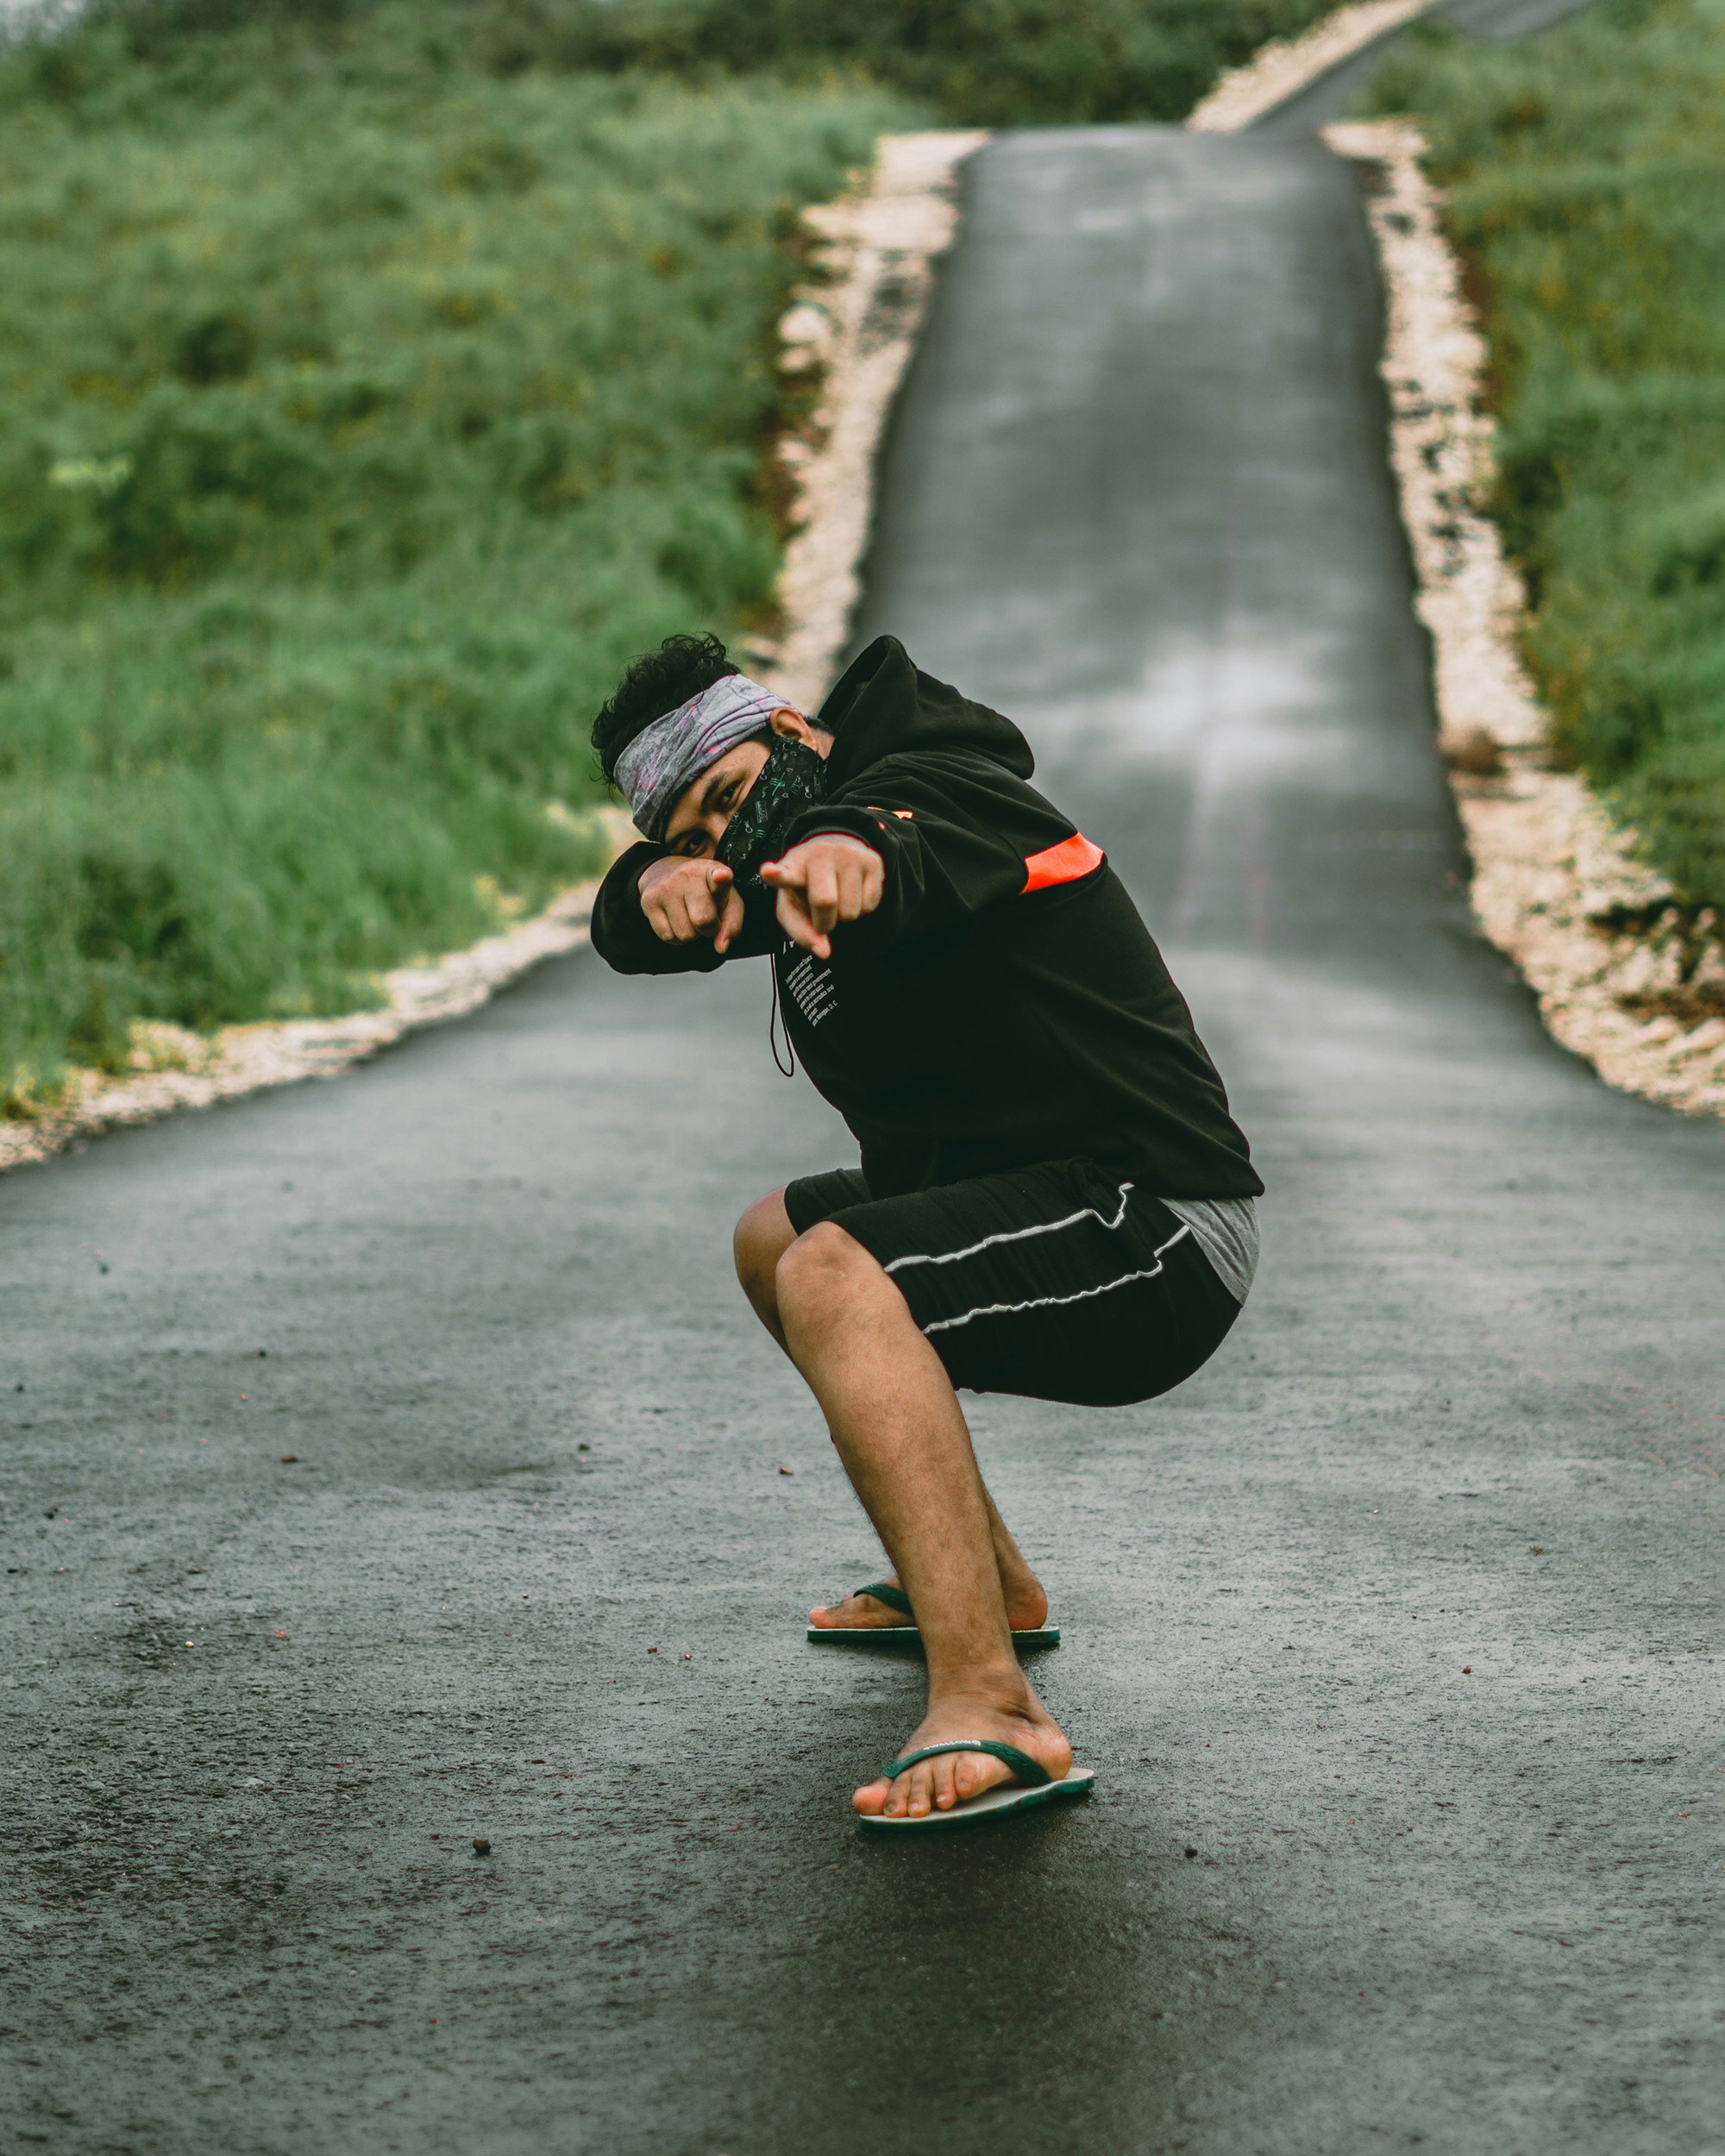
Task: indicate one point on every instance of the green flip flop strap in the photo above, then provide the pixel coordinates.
(1031, 1772)
(884, 1591)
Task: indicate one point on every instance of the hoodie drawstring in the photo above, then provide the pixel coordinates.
(787, 1068)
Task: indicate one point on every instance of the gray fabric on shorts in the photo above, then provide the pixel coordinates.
(1226, 1229)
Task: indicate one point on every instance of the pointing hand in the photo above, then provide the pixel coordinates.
(684, 899)
(828, 878)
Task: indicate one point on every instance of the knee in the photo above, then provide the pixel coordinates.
(759, 1242)
(819, 1267)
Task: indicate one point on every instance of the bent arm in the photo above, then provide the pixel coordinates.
(955, 834)
(622, 936)
(661, 913)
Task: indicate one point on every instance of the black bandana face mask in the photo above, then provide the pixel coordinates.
(793, 779)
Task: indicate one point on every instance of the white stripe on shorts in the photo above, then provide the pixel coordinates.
(1042, 1302)
(1015, 1234)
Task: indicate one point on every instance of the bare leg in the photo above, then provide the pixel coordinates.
(763, 1235)
(1023, 1593)
(896, 1423)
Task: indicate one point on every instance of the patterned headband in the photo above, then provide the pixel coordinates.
(666, 758)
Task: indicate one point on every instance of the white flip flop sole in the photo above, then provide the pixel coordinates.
(898, 1635)
(1009, 1797)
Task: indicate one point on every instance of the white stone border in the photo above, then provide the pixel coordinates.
(1279, 69)
(1556, 885)
(847, 339)
(176, 1068)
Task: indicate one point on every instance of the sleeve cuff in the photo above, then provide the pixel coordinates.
(869, 825)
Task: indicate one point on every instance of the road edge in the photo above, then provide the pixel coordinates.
(845, 342)
(1603, 941)
(176, 1068)
(1283, 68)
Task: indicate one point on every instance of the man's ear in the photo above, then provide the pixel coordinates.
(791, 725)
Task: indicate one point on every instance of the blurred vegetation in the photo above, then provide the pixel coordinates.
(360, 414)
(376, 376)
(982, 63)
(1587, 171)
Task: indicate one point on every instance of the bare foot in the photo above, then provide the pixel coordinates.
(956, 1777)
(1026, 1610)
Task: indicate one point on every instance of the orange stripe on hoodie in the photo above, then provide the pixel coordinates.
(1065, 863)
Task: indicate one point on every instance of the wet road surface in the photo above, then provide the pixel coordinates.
(1392, 1637)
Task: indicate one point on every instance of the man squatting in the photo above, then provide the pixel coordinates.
(1052, 1198)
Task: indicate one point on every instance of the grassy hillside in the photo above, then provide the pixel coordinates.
(376, 375)
(359, 416)
(1588, 176)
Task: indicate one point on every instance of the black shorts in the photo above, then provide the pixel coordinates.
(1061, 1282)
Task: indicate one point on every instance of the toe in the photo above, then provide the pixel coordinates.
(974, 1773)
(853, 1610)
(910, 1796)
(871, 1799)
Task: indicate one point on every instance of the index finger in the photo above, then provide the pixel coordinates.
(730, 922)
(794, 920)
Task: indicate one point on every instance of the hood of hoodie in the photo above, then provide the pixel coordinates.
(883, 705)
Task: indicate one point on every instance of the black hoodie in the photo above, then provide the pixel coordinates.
(1005, 1005)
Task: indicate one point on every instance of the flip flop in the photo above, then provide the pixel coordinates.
(1036, 1785)
(896, 1598)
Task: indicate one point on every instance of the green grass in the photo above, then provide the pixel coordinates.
(987, 63)
(1587, 171)
(362, 415)
(375, 377)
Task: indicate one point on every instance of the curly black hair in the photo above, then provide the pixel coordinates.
(656, 682)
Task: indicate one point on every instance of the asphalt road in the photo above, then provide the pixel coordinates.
(1392, 1637)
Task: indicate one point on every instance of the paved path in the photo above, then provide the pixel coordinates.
(1391, 1638)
